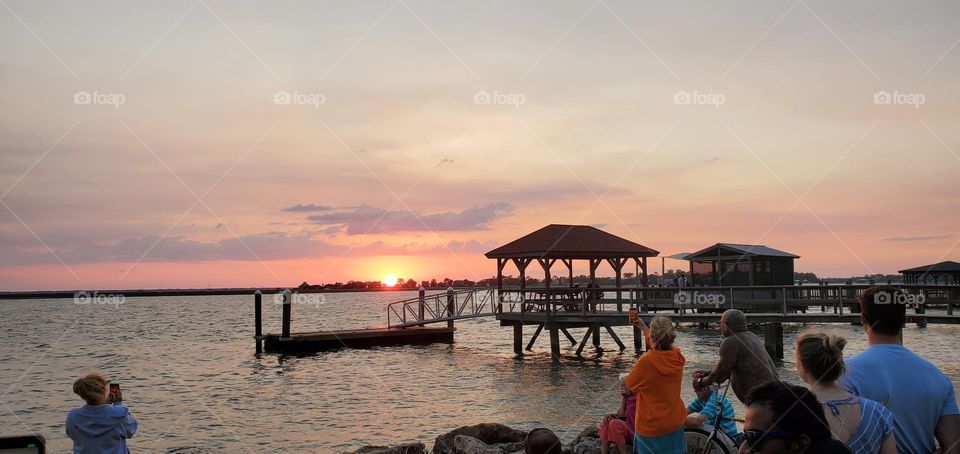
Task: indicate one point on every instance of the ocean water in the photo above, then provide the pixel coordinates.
(190, 376)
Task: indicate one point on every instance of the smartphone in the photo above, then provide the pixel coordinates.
(632, 314)
(114, 392)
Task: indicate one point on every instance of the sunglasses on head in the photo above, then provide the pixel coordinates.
(755, 438)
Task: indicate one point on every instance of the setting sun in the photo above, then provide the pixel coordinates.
(390, 280)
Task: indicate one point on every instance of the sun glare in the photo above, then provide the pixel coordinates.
(390, 280)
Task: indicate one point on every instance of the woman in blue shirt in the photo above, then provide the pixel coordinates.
(103, 425)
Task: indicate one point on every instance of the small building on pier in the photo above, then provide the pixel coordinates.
(731, 264)
(948, 271)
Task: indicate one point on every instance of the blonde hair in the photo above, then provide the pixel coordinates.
(662, 333)
(91, 388)
(821, 354)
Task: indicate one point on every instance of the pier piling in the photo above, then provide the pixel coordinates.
(287, 302)
(258, 319)
(518, 339)
(555, 344)
(422, 303)
(773, 339)
(451, 306)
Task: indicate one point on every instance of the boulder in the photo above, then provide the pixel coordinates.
(465, 444)
(587, 446)
(509, 448)
(589, 432)
(488, 433)
(405, 448)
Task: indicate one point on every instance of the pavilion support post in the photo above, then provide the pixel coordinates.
(555, 344)
(521, 265)
(518, 339)
(773, 339)
(594, 293)
(536, 334)
(617, 265)
(500, 264)
(546, 264)
(615, 338)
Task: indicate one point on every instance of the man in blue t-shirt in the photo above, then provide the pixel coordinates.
(704, 409)
(920, 397)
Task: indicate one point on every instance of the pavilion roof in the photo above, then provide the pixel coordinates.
(947, 266)
(571, 242)
(755, 250)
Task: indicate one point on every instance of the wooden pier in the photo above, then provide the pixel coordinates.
(357, 338)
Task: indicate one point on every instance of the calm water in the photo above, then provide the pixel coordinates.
(190, 376)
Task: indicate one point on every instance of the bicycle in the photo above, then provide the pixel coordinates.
(714, 441)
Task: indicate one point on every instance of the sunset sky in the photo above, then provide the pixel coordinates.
(147, 145)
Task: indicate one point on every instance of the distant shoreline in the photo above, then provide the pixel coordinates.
(57, 294)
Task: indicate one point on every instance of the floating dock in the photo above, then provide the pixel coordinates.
(356, 338)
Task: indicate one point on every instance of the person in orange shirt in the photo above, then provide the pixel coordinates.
(656, 380)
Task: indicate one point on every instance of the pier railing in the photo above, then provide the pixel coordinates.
(708, 299)
(442, 307)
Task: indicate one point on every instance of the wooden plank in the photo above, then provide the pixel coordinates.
(615, 338)
(536, 334)
(569, 337)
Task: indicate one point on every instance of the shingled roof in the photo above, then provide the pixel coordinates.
(571, 242)
(942, 267)
(742, 249)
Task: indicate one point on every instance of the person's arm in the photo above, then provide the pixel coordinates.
(728, 357)
(889, 445)
(948, 434)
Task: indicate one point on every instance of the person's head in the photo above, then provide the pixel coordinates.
(623, 383)
(703, 392)
(662, 333)
(542, 441)
(92, 388)
(733, 321)
(782, 418)
(880, 313)
(820, 357)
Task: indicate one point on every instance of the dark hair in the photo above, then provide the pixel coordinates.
(542, 441)
(830, 446)
(795, 409)
(884, 317)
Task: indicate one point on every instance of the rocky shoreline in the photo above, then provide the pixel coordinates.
(487, 438)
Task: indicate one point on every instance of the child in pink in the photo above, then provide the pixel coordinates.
(618, 429)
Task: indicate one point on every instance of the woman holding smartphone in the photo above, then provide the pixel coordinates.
(103, 425)
(656, 380)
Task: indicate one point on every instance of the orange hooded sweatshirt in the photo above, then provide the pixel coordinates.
(656, 381)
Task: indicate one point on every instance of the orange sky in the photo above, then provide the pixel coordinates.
(291, 143)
